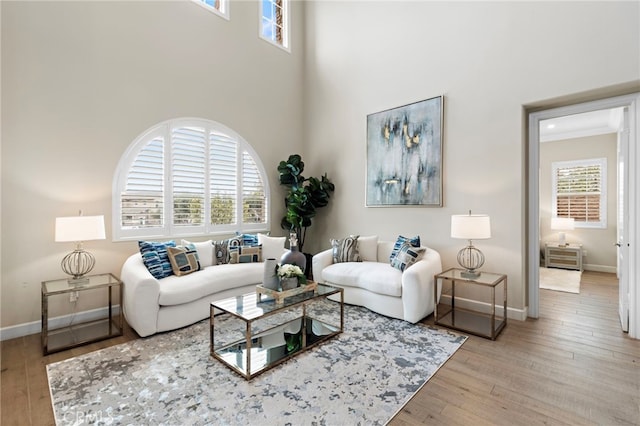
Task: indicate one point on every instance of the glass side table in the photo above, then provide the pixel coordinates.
(73, 334)
(485, 324)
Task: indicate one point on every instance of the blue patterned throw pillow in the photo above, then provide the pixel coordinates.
(184, 259)
(406, 256)
(245, 254)
(156, 258)
(415, 242)
(248, 239)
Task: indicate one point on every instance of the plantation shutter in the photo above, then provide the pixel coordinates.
(579, 191)
(253, 192)
(188, 172)
(223, 163)
(142, 202)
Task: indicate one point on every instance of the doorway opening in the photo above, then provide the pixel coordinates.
(625, 162)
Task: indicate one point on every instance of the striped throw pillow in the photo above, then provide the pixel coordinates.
(346, 249)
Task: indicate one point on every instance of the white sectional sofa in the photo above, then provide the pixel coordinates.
(153, 305)
(376, 285)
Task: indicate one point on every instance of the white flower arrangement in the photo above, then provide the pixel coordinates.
(291, 271)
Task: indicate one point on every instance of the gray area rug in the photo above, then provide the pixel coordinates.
(362, 376)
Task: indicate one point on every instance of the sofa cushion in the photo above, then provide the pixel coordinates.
(368, 248)
(376, 277)
(245, 254)
(175, 290)
(155, 257)
(346, 249)
(220, 252)
(248, 239)
(205, 252)
(272, 247)
(406, 256)
(415, 242)
(184, 259)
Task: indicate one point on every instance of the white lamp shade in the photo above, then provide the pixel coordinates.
(470, 226)
(79, 228)
(563, 223)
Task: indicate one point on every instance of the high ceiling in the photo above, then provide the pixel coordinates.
(581, 125)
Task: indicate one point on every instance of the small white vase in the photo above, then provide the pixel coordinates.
(270, 278)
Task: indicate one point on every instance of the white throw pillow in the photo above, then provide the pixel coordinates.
(272, 247)
(205, 252)
(368, 248)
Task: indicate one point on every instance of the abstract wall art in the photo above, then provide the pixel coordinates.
(404, 155)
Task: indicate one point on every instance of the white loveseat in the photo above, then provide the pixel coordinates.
(376, 285)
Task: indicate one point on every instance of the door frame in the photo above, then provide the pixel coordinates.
(632, 102)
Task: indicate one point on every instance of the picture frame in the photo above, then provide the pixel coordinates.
(404, 155)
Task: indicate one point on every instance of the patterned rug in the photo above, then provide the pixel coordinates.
(560, 280)
(362, 376)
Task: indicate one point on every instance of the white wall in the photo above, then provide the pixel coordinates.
(490, 60)
(81, 80)
(598, 243)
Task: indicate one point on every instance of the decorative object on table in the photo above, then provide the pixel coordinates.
(563, 224)
(305, 196)
(294, 256)
(280, 295)
(270, 279)
(79, 229)
(291, 276)
(404, 155)
(471, 227)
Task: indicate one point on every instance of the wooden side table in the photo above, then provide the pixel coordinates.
(83, 332)
(466, 319)
(565, 257)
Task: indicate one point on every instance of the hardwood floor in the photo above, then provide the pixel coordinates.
(571, 366)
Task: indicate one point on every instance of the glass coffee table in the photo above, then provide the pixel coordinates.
(252, 334)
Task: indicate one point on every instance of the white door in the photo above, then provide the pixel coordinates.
(623, 221)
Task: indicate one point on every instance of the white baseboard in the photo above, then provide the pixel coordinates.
(599, 268)
(485, 308)
(35, 327)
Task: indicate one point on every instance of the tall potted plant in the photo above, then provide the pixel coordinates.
(305, 196)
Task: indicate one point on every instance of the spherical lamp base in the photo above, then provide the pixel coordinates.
(77, 264)
(471, 259)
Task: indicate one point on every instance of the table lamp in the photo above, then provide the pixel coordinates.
(79, 229)
(470, 227)
(562, 224)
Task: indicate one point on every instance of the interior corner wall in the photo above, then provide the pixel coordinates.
(81, 80)
(599, 244)
(489, 60)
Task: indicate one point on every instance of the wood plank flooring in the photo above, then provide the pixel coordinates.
(572, 366)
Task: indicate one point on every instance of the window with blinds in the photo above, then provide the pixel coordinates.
(189, 177)
(579, 191)
(273, 22)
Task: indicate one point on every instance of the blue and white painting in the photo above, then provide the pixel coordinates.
(404, 155)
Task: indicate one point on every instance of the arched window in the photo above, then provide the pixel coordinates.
(188, 177)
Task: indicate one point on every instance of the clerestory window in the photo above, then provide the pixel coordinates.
(274, 25)
(219, 7)
(188, 177)
(579, 191)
